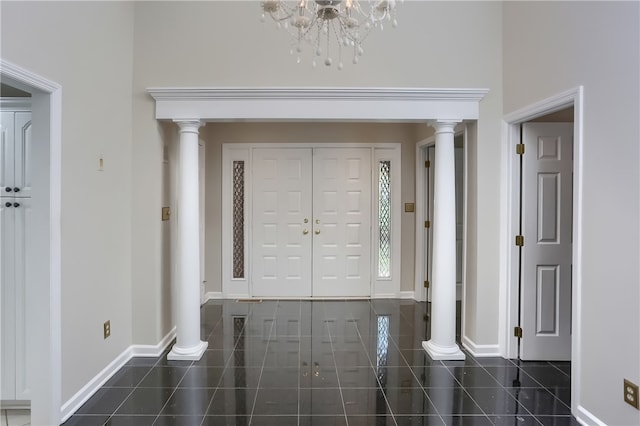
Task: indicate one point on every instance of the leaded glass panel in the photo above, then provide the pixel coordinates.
(238, 219)
(384, 217)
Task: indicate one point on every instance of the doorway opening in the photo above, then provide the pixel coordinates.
(544, 214)
(42, 293)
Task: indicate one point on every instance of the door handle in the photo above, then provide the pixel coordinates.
(317, 232)
(16, 204)
(16, 189)
(7, 204)
(305, 232)
(8, 189)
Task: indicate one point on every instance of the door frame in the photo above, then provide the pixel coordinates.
(44, 331)
(242, 287)
(508, 289)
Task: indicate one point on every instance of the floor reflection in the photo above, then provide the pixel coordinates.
(356, 362)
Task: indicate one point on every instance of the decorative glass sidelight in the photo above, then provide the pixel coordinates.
(382, 348)
(238, 219)
(384, 219)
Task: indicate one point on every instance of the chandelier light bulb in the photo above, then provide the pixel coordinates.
(321, 23)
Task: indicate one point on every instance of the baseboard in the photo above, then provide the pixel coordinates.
(212, 295)
(480, 351)
(584, 417)
(406, 295)
(87, 391)
(153, 350)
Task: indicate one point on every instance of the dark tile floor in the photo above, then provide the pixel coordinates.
(327, 363)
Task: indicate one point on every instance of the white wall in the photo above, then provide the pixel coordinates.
(437, 44)
(88, 49)
(550, 47)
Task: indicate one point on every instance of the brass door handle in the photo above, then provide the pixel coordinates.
(305, 232)
(317, 231)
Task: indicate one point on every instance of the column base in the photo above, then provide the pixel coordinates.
(187, 354)
(443, 353)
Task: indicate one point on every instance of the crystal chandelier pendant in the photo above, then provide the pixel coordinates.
(329, 25)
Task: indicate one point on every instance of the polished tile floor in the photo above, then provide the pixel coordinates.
(327, 363)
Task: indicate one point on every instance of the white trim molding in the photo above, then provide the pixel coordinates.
(480, 351)
(325, 104)
(88, 390)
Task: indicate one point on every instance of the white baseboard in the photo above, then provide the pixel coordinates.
(212, 295)
(480, 351)
(153, 350)
(584, 417)
(87, 391)
(406, 295)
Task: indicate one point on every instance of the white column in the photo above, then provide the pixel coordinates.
(187, 289)
(442, 345)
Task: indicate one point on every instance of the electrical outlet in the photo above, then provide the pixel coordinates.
(107, 329)
(631, 393)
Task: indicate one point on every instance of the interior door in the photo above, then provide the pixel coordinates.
(342, 222)
(282, 212)
(547, 226)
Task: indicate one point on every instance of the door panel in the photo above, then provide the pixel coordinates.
(281, 204)
(7, 156)
(342, 222)
(23, 148)
(547, 221)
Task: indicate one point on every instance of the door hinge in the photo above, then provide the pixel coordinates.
(427, 164)
(520, 240)
(520, 149)
(427, 224)
(426, 284)
(517, 331)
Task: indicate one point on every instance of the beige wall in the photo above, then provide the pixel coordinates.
(88, 49)
(216, 134)
(550, 47)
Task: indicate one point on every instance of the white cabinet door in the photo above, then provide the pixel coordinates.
(342, 222)
(282, 233)
(547, 222)
(15, 218)
(7, 297)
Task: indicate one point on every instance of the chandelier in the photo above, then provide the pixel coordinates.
(330, 25)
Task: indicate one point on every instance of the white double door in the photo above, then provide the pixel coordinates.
(311, 220)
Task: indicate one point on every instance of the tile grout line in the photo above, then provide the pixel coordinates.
(335, 365)
(414, 374)
(266, 350)
(226, 364)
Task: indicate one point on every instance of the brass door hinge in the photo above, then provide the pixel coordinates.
(427, 224)
(520, 149)
(427, 164)
(520, 240)
(426, 284)
(517, 331)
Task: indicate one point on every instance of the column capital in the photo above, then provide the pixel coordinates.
(189, 126)
(443, 126)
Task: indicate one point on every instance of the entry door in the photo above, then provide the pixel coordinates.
(312, 222)
(342, 222)
(282, 215)
(546, 255)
